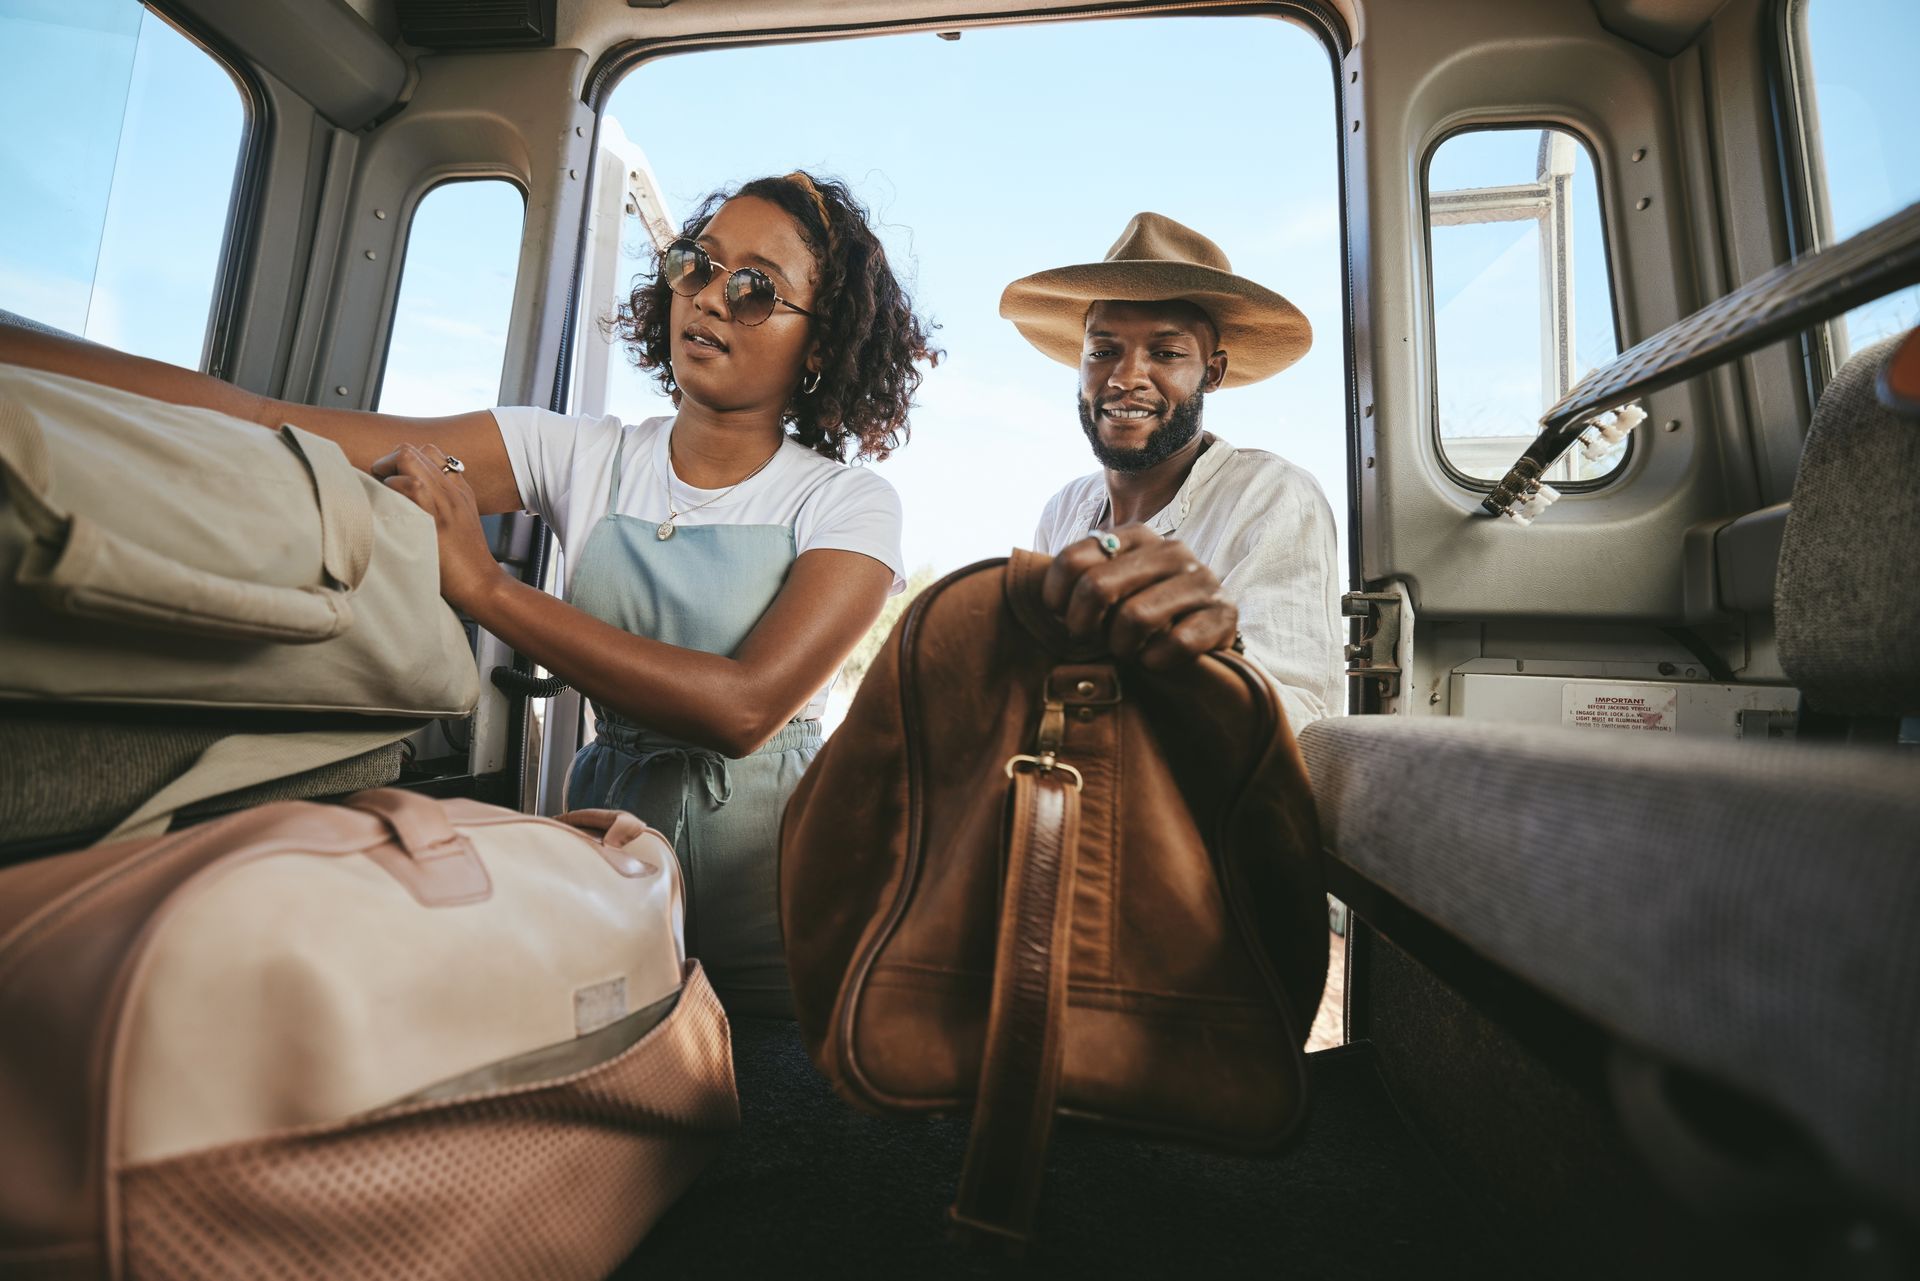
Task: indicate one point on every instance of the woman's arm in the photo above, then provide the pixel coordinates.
(731, 705)
(474, 438)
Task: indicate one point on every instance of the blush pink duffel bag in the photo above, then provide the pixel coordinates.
(397, 1037)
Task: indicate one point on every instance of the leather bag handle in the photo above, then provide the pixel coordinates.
(625, 842)
(427, 855)
(1020, 1071)
(83, 569)
(1025, 578)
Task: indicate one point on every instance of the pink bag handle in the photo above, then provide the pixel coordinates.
(436, 864)
(626, 842)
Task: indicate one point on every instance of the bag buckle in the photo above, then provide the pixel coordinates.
(1045, 763)
(1053, 729)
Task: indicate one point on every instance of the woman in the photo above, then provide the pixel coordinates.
(720, 567)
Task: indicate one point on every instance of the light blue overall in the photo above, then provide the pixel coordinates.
(703, 588)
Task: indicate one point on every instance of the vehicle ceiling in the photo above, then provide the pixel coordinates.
(598, 25)
(595, 26)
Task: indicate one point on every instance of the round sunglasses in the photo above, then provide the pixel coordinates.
(750, 292)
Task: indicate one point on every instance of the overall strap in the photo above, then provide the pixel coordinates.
(613, 481)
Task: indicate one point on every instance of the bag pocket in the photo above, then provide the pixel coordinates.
(80, 568)
(558, 1176)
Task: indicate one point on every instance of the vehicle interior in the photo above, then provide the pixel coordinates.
(1611, 1003)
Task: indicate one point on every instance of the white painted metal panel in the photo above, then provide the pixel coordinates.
(1695, 708)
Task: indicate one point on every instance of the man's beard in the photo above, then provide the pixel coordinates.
(1166, 440)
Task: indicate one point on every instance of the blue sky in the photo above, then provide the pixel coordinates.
(984, 159)
(117, 198)
(1865, 55)
(449, 334)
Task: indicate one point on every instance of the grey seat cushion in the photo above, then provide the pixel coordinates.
(1752, 913)
(80, 776)
(1846, 601)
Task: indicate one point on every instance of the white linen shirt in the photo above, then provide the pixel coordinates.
(1263, 527)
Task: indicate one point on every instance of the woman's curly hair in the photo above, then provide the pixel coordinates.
(870, 339)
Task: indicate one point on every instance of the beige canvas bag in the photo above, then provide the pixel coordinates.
(396, 1037)
(156, 554)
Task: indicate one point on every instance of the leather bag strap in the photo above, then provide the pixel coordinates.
(1020, 1072)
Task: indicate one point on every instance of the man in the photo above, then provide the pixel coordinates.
(1183, 543)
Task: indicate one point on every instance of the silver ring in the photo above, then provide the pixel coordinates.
(453, 465)
(1108, 543)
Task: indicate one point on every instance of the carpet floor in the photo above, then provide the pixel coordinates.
(811, 1187)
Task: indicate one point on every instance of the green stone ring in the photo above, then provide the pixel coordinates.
(1109, 544)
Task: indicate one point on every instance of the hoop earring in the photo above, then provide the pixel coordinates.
(808, 388)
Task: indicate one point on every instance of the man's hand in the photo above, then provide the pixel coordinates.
(1152, 599)
(467, 568)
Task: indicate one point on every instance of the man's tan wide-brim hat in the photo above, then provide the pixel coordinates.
(1158, 260)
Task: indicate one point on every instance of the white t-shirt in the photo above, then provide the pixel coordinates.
(1263, 527)
(563, 466)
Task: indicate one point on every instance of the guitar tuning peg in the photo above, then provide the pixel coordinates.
(1604, 436)
(1594, 446)
(1537, 499)
(1619, 423)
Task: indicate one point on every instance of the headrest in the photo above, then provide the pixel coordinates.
(1847, 598)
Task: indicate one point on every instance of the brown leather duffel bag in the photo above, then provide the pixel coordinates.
(1025, 879)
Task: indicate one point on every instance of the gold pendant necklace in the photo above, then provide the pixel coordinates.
(665, 529)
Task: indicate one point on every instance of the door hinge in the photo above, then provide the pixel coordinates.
(1374, 651)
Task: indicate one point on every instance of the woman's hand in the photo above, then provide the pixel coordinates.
(468, 572)
(1151, 599)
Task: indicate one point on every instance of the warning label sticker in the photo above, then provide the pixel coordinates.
(1641, 707)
